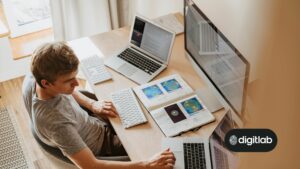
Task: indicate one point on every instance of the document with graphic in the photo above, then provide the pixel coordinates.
(173, 105)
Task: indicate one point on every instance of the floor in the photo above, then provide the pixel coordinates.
(11, 95)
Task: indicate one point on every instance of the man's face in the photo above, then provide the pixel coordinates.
(64, 84)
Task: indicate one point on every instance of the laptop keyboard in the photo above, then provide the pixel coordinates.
(194, 156)
(139, 61)
(221, 159)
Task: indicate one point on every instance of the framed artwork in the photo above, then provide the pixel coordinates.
(28, 16)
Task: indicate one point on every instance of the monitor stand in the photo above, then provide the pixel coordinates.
(209, 99)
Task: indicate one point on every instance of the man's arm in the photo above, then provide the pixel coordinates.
(98, 107)
(86, 160)
(83, 100)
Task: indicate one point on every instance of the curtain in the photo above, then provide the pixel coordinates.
(78, 18)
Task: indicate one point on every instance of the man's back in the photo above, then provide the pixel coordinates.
(61, 122)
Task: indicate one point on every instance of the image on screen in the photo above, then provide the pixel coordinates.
(220, 61)
(138, 30)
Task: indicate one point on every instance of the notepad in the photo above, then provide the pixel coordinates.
(170, 22)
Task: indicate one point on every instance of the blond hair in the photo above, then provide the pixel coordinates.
(52, 60)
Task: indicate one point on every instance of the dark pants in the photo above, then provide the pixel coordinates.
(112, 145)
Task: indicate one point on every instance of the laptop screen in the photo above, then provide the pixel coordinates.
(222, 158)
(151, 38)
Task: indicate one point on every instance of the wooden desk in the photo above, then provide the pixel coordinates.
(143, 141)
(3, 30)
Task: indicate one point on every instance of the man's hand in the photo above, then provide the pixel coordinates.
(105, 108)
(163, 160)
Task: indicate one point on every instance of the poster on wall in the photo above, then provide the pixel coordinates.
(28, 16)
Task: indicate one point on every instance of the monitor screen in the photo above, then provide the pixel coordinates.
(151, 38)
(224, 66)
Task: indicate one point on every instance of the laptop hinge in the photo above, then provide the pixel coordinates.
(160, 62)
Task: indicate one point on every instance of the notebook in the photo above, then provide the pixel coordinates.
(173, 105)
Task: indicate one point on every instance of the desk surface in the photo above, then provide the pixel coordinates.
(3, 30)
(143, 141)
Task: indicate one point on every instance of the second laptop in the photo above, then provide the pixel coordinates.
(148, 51)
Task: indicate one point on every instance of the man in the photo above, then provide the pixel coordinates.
(58, 119)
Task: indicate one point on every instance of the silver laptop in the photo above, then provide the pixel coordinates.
(203, 153)
(148, 51)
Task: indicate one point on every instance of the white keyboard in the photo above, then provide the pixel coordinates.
(94, 69)
(128, 108)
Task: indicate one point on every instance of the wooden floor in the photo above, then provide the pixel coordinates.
(11, 96)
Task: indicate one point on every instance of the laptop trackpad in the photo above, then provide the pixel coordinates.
(127, 69)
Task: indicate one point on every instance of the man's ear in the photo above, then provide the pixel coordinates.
(45, 83)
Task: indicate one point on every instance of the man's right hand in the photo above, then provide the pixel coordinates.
(162, 160)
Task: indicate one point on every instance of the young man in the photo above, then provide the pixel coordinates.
(58, 119)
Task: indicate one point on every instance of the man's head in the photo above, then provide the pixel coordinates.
(54, 67)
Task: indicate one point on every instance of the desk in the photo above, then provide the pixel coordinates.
(3, 30)
(143, 141)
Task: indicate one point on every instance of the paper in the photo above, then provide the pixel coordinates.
(170, 22)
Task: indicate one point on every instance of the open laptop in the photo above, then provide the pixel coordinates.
(147, 54)
(203, 153)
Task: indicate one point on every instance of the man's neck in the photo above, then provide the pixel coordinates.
(44, 94)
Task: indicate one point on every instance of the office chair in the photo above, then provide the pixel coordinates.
(59, 155)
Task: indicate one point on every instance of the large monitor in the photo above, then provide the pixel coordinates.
(216, 60)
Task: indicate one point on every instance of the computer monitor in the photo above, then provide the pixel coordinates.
(216, 60)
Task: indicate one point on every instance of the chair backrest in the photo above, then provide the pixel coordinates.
(51, 150)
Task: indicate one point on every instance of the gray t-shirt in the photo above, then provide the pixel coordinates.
(61, 122)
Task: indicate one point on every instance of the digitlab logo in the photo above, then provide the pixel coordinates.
(233, 140)
(251, 140)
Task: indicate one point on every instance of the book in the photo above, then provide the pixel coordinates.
(173, 104)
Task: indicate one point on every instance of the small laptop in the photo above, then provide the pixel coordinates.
(203, 153)
(147, 54)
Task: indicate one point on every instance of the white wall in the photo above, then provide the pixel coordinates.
(10, 68)
(156, 8)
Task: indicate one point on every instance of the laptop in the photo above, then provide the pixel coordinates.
(203, 153)
(147, 53)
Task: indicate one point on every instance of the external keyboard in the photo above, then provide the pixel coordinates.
(94, 69)
(139, 61)
(128, 108)
(194, 156)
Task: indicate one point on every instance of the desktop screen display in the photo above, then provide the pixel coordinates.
(220, 61)
(151, 38)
